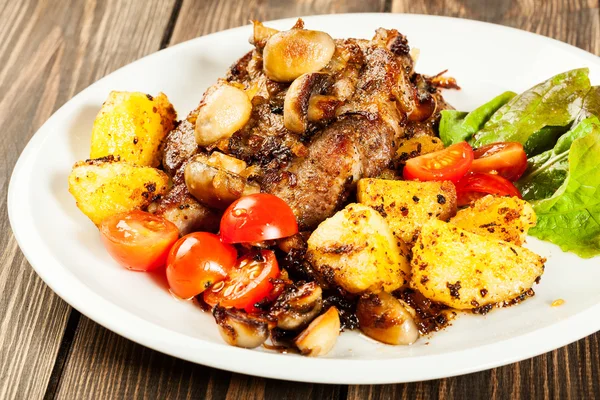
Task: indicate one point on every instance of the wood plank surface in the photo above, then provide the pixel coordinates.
(50, 50)
(200, 18)
(53, 49)
(576, 22)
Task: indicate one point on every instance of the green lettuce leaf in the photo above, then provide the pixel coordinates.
(590, 105)
(571, 217)
(553, 103)
(547, 171)
(544, 139)
(458, 126)
(451, 130)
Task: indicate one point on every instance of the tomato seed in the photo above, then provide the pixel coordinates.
(254, 272)
(228, 291)
(239, 288)
(217, 287)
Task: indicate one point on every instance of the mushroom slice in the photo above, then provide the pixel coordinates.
(240, 329)
(289, 54)
(382, 317)
(424, 108)
(225, 109)
(322, 107)
(216, 181)
(223, 161)
(296, 242)
(298, 100)
(261, 34)
(321, 335)
(298, 305)
(425, 104)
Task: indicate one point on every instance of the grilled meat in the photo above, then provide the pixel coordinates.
(349, 119)
(180, 145)
(360, 143)
(315, 186)
(264, 139)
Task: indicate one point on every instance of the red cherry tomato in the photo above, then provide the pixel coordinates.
(257, 217)
(476, 185)
(197, 261)
(138, 240)
(507, 159)
(449, 164)
(249, 282)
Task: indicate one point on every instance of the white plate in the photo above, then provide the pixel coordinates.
(64, 248)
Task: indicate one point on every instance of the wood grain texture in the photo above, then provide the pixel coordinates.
(576, 22)
(568, 373)
(199, 18)
(49, 50)
(103, 365)
(52, 49)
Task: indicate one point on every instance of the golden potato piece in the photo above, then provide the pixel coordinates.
(132, 126)
(505, 218)
(464, 270)
(407, 205)
(356, 250)
(104, 187)
(416, 147)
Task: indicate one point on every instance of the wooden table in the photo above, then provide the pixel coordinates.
(52, 49)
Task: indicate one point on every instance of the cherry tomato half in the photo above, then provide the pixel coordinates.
(197, 261)
(507, 159)
(476, 185)
(449, 164)
(138, 240)
(249, 282)
(257, 217)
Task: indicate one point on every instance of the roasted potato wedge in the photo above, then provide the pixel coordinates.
(505, 218)
(407, 205)
(464, 270)
(132, 126)
(416, 147)
(104, 187)
(356, 250)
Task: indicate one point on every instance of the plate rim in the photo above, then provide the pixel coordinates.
(272, 365)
